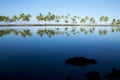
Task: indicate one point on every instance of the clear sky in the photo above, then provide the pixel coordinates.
(93, 8)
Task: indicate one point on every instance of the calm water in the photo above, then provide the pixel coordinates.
(39, 53)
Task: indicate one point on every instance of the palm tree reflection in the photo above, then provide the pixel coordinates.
(53, 32)
(23, 33)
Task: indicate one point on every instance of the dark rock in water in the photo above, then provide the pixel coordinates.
(80, 61)
(113, 75)
(92, 75)
(69, 78)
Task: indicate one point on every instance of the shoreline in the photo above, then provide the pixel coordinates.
(2, 25)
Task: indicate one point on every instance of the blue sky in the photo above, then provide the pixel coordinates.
(93, 8)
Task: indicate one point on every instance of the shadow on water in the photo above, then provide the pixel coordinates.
(80, 61)
(115, 74)
(93, 75)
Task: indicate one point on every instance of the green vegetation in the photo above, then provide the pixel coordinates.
(50, 18)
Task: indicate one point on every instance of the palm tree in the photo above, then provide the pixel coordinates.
(73, 20)
(92, 20)
(4, 19)
(82, 21)
(7, 19)
(101, 18)
(106, 19)
(118, 22)
(57, 21)
(66, 21)
(86, 18)
(28, 16)
(21, 16)
(68, 14)
(40, 17)
(1, 19)
(14, 18)
(113, 21)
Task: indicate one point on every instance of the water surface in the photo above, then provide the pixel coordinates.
(39, 53)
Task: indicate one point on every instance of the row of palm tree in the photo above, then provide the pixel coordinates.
(22, 18)
(49, 17)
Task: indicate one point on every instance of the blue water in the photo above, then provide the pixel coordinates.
(36, 57)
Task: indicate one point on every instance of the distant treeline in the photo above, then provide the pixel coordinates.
(61, 19)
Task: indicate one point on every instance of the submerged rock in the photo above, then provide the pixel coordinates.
(80, 61)
(113, 75)
(69, 78)
(92, 75)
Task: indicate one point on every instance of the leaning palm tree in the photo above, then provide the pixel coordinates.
(73, 20)
(92, 20)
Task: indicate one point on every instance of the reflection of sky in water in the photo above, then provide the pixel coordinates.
(43, 57)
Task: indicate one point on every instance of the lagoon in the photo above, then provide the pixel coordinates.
(39, 53)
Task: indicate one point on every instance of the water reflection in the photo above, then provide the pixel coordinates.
(23, 33)
(57, 31)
